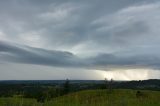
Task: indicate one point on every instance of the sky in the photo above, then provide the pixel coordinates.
(79, 39)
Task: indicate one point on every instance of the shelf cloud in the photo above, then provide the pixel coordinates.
(81, 35)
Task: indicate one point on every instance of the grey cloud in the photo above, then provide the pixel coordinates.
(30, 55)
(107, 60)
(83, 34)
(22, 17)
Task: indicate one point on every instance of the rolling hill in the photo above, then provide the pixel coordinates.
(117, 97)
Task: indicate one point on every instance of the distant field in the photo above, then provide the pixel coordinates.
(119, 97)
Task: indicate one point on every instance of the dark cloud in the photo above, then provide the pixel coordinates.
(30, 55)
(80, 34)
(65, 22)
(103, 61)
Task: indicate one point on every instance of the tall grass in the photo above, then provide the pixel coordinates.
(92, 98)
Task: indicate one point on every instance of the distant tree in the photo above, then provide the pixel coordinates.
(111, 85)
(66, 86)
(106, 83)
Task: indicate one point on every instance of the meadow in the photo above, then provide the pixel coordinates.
(116, 97)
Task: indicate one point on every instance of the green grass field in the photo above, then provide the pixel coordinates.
(92, 98)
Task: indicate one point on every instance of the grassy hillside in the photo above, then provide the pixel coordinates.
(92, 98)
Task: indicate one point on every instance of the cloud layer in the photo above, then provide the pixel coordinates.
(31, 55)
(81, 34)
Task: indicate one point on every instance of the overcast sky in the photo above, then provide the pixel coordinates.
(79, 39)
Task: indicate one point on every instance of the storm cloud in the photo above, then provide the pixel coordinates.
(30, 55)
(87, 35)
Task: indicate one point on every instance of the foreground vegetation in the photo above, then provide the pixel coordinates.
(117, 97)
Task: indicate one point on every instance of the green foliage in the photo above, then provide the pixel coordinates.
(119, 97)
(104, 98)
(66, 87)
